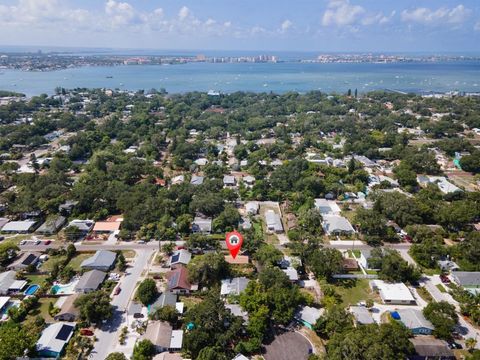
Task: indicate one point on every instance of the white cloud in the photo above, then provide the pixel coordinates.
(426, 16)
(184, 13)
(286, 25)
(121, 13)
(341, 12)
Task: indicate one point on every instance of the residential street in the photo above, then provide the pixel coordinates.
(108, 335)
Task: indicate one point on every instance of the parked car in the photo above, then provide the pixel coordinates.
(454, 345)
(48, 242)
(37, 242)
(140, 242)
(2, 238)
(86, 332)
(444, 278)
(23, 242)
(117, 290)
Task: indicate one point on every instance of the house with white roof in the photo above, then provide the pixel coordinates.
(337, 225)
(393, 293)
(274, 223)
(327, 207)
(54, 339)
(233, 286)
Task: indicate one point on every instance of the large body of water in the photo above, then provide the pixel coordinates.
(262, 77)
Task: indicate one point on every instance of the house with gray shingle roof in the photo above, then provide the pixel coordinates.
(102, 260)
(90, 281)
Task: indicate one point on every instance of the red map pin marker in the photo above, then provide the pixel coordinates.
(234, 242)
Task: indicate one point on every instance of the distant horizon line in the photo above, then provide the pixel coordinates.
(50, 48)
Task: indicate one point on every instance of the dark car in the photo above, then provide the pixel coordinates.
(454, 345)
(444, 278)
(117, 290)
(48, 242)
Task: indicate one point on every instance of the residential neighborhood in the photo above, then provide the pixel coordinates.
(360, 226)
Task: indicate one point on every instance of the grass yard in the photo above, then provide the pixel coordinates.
(78, 259)
(36, 279)
(424, 294)
(42, 309)
(189, 301)
(353, 290)
(52, 260)
(441, 288)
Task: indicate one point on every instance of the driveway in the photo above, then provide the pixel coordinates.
(108, 335)
(288, 346)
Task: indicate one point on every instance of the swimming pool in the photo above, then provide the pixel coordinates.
(64, 289)
(32, 289)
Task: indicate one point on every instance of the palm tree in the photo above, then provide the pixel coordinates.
(470, 343)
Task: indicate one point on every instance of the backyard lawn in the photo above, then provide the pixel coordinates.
(78, 259)
(42, 309)
(52, 260)
(353, 290)
(36, 279)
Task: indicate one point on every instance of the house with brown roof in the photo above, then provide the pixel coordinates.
(238, 260)
(163, 337)
(178, 281)
(68, 311)
(350, 264)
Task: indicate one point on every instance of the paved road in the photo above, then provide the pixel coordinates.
(108, 335)
(466, 329)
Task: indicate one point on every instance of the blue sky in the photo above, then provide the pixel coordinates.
(297, 25)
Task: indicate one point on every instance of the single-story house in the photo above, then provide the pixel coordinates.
(469, 280)
(180, 258)
(238, 260)
(90, 281)
(443, 184)
(67, 207)
(350, 264)
(163, 337)
(54, 338)
(84, 226)
(179, 179)
(7, 278)
(249, 180)
(336, 224)
(448, 265)
(68, 311)
(393, 293)
(197, 180)
(229, 181)
(201, 161)
(274, 223)
(167, 298)
(178, 281)
(24, 260)
(308, 316)
(291, 273)
(202, 225)
(252, 207)
(429, 348)
(106, 227)
(361, 315)
(415, 321)
(19, 227)
(233, 286)
(327, 207)
(237, 310)
(102, 260)
(52, 225)
(364, 260)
